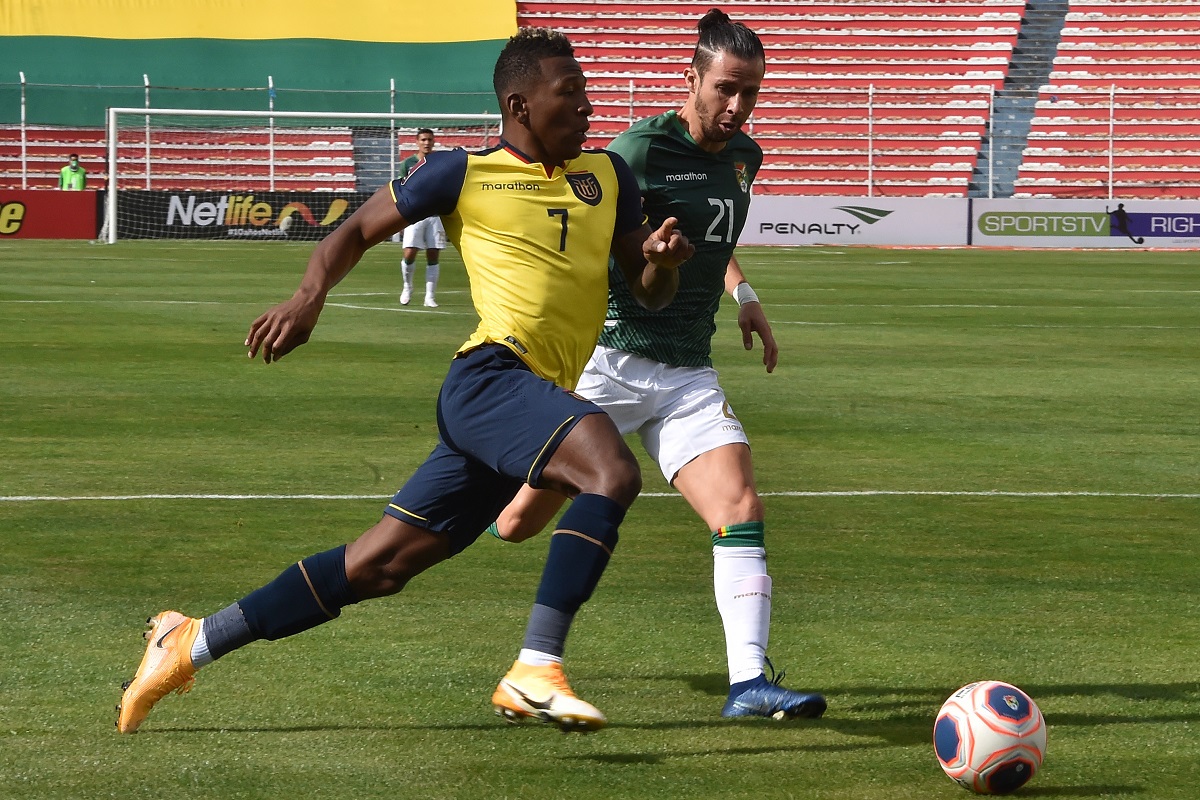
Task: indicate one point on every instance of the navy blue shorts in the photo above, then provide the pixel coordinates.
(498, 425)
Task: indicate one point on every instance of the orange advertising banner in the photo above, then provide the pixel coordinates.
(49, 214)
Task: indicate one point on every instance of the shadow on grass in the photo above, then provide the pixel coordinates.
(659, 758)
(1078, 791)
(887, 716)
(903, 716)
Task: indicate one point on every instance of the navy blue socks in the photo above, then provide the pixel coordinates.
(304, 595)
(579, 551)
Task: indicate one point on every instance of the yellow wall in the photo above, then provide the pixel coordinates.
(409, 21)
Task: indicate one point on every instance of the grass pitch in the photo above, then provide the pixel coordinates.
(977, 464)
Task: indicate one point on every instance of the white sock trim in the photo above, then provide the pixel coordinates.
(201, 657)
(536, 658)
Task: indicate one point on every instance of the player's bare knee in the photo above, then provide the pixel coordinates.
(750, 507)
(387, 556)
(380, 578)
(619, 479)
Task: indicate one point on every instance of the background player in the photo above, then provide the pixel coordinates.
(652, 371)
(428, 234)
(535, 220)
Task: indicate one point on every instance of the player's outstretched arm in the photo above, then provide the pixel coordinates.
(528, 513)
(649, 260)
(751, 317)
(289, 324)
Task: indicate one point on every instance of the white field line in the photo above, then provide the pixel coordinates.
(847, 493)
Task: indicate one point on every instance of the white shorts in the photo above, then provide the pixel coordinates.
(679, 412)
(428, 234)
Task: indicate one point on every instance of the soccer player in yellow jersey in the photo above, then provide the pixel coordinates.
(535, 220)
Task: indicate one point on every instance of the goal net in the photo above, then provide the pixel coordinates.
(206, 174)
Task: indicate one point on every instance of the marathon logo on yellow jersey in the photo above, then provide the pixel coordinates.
(586, 187)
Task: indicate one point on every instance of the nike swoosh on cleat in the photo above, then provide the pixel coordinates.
(165, 635)
(540, 706)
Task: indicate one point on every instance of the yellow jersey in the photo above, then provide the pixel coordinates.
(535, 245)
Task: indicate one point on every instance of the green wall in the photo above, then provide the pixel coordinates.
(72, 80)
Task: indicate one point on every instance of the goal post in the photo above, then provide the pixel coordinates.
(285, 175)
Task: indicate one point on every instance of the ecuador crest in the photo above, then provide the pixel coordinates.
(586, 187)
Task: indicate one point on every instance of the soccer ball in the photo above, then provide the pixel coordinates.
(990, 737)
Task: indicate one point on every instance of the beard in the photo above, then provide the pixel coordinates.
(712, 129)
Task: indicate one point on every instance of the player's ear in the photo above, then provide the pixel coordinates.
(517, 107)
(692, 79)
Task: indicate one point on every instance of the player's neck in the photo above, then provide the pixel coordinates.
(690, 120)
(527, 149)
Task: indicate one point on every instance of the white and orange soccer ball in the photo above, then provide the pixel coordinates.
(990, 737)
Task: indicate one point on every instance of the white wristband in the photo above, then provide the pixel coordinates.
(744, 294)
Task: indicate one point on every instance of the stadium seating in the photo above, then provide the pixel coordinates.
(861, 97)
(1122, 105)
(186, 159)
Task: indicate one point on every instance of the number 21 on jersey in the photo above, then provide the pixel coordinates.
(721, 228)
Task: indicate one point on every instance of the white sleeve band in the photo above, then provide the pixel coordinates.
(744, 294)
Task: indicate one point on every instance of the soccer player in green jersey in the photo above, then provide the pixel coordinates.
(536, 219)
(652, 371)
(427, 235)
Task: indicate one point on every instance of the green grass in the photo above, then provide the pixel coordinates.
(977, 464)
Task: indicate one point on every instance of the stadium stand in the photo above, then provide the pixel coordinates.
(1120, 116)
(197, 159)
(862, 97)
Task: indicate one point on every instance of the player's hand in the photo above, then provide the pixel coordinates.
(751, 320)
(282, 329)
(667, 248)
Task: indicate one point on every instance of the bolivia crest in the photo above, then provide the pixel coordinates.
(739, 171)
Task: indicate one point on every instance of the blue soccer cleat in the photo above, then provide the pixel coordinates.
(766, 698)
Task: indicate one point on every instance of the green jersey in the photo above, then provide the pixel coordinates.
(709, 193)
(72, 179)
(407, 164)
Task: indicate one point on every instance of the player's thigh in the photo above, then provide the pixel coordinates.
(493, 409)
(437, 234)
(416, 235)
(719, 485)
(594, 458)
(693, 418)
(452, 495)
(622, 384)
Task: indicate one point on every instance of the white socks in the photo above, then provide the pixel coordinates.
(535, 658)
(201, 657)
(743, 591)
(431, 280)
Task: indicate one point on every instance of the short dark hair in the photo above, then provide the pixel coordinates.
(423, 131)
(720, 34)
(519, 61)
(74, 156)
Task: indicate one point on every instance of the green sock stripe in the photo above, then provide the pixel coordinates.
(743, 534)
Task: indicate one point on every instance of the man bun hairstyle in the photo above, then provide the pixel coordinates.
(519, 61)
(720, 34)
